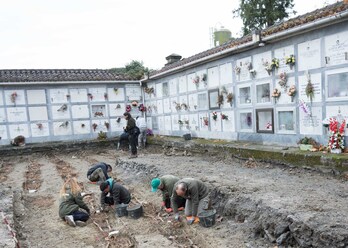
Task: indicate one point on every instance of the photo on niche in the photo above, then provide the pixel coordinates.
(264, 121)
(214, 99)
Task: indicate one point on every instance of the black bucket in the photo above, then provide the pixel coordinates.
(121, 210)
(207, 218)
(187, 136)
(136, 211)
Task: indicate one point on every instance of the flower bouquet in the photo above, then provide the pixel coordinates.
(283, 80)
(336, 139)
(224, 117)
(14, 97)
(237, 70)
(292, 92)
(290, 61)
(276, 94)
(215, 116)
(310, 90)
(195, 80)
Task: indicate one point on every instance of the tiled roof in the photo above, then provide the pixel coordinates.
(60, 75)
(327, 11)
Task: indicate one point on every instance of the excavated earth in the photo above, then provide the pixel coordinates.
(258, 204)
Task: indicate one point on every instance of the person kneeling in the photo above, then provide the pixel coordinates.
(70, 202)
(98, 173)
(117, 194)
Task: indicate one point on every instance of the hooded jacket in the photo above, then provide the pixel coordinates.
(195, 191)
(119, 193)
(70, 203)
(101, 165)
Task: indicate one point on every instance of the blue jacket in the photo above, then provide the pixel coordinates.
(101, 165)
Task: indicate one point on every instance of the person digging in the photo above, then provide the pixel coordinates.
(197, 198)
(98, 173)
(71, 201)
(117, 194)
(166, 185)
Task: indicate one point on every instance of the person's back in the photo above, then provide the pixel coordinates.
(141, 124)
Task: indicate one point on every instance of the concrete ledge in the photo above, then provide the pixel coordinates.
(326, 162)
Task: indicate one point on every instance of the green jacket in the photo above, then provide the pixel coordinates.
(70, 203)
(168, 182)
(196, 191)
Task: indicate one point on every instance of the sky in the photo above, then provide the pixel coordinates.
(103, 34)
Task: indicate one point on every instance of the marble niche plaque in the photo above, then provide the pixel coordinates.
(309, 55)
(226, 73)
(243, 65)
(1, 99)
(215, 125)
(193, 102)
(38, 113)
(193, 122)
(3, 132)
(97, 94)
(160, 120)
(149, 122)
(18, 129)
(61, 128)
(191, 86)
(258, 64)
(213, 77)
(133, 93)
(173, 83)
(159, 104)
(117, 124)
(2, 115)
(78, 95)
(39, 129)
(60, 112)
(36, 96)
(116, 94)
(282, 54)
(167, 123)
(58, 95)
(175, 123)
(203, 84)
(100, 125)
(311, 124)
(316, 81)
(17, 114)
(166, 105)
(182, 84)
(117, 109)
(333, 111)
(13, 101)
(336, 49)
(284, 97)
(228, 125)
(159, 90)
(82, 127)
(80, 111)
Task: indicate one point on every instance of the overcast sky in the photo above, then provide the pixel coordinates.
(84, 34)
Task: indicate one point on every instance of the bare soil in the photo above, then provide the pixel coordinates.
(251, 198)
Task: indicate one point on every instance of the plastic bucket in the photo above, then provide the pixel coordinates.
(135, 212)
(187, 136)
(207, 218)
(121, 210)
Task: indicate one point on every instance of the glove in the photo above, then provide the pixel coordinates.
(163, 204)
(190, 220)
(177, 217)
(169, 210)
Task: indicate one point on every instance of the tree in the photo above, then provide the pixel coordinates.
(135, 69)
(259, 14)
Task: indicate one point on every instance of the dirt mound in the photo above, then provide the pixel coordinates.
(33, 177)
(5, 169)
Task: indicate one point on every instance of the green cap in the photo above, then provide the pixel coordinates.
(155, 183)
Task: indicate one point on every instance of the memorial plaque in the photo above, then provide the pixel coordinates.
(133, 93)
(246, 121)
(316, 81)
(336, 49)
(286, 120)
(18, 129)
(338, 112)
(117, 124)
(311, 124)
(17, 114)
(215, 125)
(226, 73)
(100, 126)
(82, 127)
(204, 121)
(160, 120)
(203, 79)
(167, 123)
(36, 96)
(282, 54)
(60, 112)
(193, 102)
(183, 100)
(191, 79)
(193, 122)
(149, 96)
(243, 65)
(284, 97)
(149, 122)
(159, 90)
(117, 109)
(61, 128)
(182, 84)
(39, 129)
(3, 132)
(58, 95)
(97, 94)
(116, 94)
(14, 97)
(2, 115)
(309, 55)
(173, 84)
(166, 105)
(228, 125)
(159, 104)
(2, 103)
(173, 101)
(78, 95)
(38, 113)
(99, 111)
(213, 77)
(80, 111)
(175, 123)
(259, 61)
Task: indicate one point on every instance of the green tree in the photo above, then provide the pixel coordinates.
(134, 69)
(259, 14)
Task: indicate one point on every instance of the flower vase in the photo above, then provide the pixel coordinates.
(336, 151)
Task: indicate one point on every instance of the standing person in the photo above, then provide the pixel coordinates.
(118, 194)
(197, 198)
(132, 130)
(166, 185)
(141, 124)
(70, 203)
(99, 172)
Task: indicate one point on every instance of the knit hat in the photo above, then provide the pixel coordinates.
(103, 185)
(155, 183)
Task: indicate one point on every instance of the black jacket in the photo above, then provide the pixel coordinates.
(119, 194)
(101, 165)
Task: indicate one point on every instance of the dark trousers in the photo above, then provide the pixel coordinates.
(124, 139)
(180, 201)
(79, 215)
(110, 201)
(133, 140)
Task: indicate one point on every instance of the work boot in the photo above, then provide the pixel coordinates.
(80, 223)
(70, 220)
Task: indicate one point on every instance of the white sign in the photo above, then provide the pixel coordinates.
(116, 94)
(78, 95)
(316, 82)
(2, 115)
(309, 55)
(213, 77)
(38, 113)
(39, 129)
(281, 54)
(311, 124)
(336, 49)
(14, 97)
(36, 96)
(80, 111)
(58, 95)
(20, 129)
(17, 114)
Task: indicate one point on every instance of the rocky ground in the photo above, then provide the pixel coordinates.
(259, 204)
